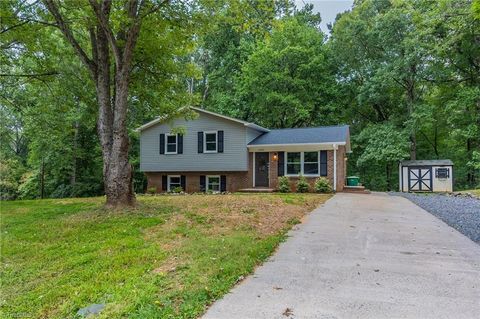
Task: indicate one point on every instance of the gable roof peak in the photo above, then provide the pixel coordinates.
(164, 117)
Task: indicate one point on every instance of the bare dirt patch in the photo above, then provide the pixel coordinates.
(266, 214)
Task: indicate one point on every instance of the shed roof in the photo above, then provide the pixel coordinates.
(307, 135)
(441, 162)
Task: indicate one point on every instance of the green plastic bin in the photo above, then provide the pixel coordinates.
(353, 180)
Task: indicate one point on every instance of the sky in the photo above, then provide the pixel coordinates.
(328, 9)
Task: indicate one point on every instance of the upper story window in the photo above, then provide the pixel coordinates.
(171, 144)
(210, 142)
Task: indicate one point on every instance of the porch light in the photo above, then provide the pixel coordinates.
(275, 156)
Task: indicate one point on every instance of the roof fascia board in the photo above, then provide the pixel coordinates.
(251, 125)
(151, 123)
(295, 144)
(162, 118)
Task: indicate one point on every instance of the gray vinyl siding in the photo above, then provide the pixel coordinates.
(233, 158)
(252, 134)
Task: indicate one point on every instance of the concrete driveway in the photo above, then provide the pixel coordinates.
(363, 256)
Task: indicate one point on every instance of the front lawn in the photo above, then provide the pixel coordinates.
(475, 192)
(168, 258)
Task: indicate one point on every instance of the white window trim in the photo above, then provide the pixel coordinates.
(168, 181)
(166, 144)
(207, 182)
(302, 162)
(205, 141)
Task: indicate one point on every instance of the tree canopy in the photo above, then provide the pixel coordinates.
(404, 74)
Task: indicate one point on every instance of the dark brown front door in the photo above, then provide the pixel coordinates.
(261, 169)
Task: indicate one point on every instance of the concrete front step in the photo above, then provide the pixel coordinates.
(257, 190)
(356, 189)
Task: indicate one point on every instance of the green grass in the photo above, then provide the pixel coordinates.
(168, 258)
(475, 192)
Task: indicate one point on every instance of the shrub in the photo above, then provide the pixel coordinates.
(322, 185)
(151, 190)
(283, 184)
(302, 185)
(176, 190)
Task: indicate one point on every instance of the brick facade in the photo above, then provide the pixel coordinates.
(239, 180)
(341, 170)
(235, 180)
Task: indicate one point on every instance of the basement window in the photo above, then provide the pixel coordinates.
(173, 182)
(213, 184)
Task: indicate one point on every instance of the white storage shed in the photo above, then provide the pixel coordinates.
(426, 176)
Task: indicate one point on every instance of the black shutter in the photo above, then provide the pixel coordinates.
(281, 163)
(179, 144)
(164, 183)
(220, 141)
(223, 183)
(183, 182)
(202, 183)
(200, 142)
(323, 163)
(162, 144)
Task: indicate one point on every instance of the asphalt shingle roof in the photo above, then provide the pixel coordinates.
(323, 134)
(427, 162)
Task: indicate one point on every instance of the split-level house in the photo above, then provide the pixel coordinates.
(220, 153)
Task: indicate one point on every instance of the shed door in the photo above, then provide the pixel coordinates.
(419, 179)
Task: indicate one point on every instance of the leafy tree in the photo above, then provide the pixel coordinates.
(382, 144)
(232, 30)
(379, 52)
(410, 64)
(287, 80)
(117, 59)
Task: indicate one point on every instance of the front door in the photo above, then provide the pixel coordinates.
(419, 179)
(261, 169)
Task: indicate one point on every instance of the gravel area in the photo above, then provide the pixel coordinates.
(461, 213)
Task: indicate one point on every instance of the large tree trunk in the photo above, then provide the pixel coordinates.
(118, 177)
(112, 128)
(112, 113)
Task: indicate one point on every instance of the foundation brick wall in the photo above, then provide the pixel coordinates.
(272, 171)
(235, 180)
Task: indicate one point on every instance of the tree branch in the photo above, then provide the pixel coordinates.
(101, 12)
(32, 75)
(13, 27)
(133, 32)
(91, 65)
(156, 8)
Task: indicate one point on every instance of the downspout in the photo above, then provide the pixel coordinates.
(335, 147)
(253, 173)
